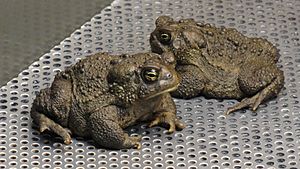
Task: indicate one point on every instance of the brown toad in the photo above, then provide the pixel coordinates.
(219, 62)
(103, 94)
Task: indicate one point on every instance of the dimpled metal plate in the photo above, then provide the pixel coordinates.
(268, 138)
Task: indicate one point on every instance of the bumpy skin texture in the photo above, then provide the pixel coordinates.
(219, 62)
(103, 94)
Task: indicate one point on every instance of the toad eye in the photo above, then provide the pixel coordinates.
(150, 75)
(165, 38)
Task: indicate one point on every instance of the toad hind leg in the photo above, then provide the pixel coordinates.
(247, 102)
(106, 131)
(266, 79)
(47, 124)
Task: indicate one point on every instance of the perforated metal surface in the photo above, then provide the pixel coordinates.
(268, 138)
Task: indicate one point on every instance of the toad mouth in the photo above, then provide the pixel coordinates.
(162, 92)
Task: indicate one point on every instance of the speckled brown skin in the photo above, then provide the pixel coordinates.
(219, 62)
(103, 94)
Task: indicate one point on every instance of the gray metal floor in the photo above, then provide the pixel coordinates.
(268, 138)
(30, 28)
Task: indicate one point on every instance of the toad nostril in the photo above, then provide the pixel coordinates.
(169, 75)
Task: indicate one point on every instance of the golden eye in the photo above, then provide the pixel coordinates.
(150, 75)
(165, 38)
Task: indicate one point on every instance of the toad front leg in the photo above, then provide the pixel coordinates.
(106, 131)
(192, 82)
(168, 118)
(166, 115)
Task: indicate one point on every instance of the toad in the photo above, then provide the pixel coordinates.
(219, 62)
(103, 94)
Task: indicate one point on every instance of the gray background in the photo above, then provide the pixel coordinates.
(29, 28)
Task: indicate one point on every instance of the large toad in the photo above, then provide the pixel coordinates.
(103, 94)
(219, 62)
